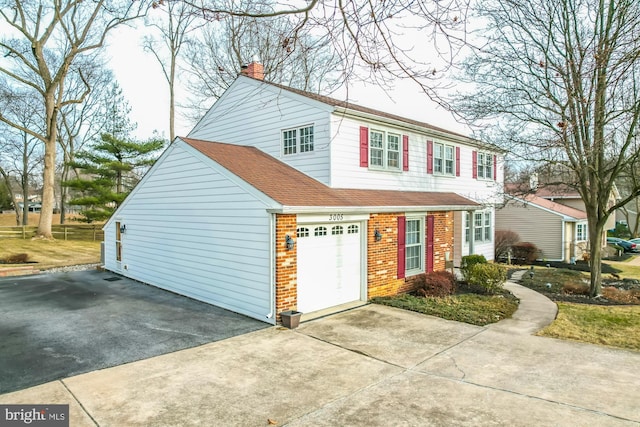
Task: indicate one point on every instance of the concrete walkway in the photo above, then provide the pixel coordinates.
(535, 311)
(371, 366)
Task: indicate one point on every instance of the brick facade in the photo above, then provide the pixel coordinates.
(382, 256)
(286, 265)
(382, 259)
(442, 238)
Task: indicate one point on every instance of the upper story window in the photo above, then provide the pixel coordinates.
(384, 150)
(298, 140)
(380, 149)
(443, 159)
(485, 165)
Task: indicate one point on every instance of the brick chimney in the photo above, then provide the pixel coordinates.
(254, 70)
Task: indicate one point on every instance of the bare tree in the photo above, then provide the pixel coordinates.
(175, 20)
(558, 82)
(378, 42)
(216, 53)
(44, 41)
(22, 154)
(80, 123)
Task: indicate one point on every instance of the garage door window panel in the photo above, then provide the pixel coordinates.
(302, 232)
(352, 229)
(337, 230)
(320, 231)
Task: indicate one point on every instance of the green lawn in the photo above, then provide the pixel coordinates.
(617, 326)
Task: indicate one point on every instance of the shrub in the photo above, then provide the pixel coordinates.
(468, 262)
(16, 259)
(436, 284)
(488, 277)
(504, 241)
(525, 252)
(575, 289)
(631, 296)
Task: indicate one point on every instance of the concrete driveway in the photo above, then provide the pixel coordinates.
(58, 325)
(372, 366)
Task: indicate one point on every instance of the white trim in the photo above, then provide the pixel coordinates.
(336, 217)
(369, 209)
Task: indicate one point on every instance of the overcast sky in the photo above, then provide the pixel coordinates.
(146, 90)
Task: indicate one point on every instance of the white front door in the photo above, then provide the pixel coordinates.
(329, 265)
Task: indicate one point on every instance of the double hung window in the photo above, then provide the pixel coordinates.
(297, 140)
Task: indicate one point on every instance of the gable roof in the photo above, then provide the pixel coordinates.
(292, 188)
(336, 103)
(560, 209)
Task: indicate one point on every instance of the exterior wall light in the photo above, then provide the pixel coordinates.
(289, 242)
(377, 236)
(123, 228)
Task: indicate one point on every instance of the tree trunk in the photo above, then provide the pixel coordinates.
(12, 194)
(595, 254)
(25, 207)
(49, 173)
(48, 178)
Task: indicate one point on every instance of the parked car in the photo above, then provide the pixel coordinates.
(636, 241)
(626, 245)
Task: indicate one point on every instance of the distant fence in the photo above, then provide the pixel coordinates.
(60, 231)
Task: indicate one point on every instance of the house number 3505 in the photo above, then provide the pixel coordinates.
(336, 217)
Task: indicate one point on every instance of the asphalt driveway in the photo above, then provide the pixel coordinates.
(58, 325)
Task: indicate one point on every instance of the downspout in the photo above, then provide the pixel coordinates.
(564, 242)
(272, 265)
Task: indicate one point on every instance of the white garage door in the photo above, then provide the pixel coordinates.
(329, 265)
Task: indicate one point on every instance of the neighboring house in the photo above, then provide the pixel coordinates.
(553, 218)
(570, 197)
(303, 203)
(560, 232)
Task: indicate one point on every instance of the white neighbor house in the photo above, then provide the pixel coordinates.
(280, 200)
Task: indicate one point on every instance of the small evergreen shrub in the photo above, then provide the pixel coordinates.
(490, 278)
(468, 262)
(435, 284)
(525, 252)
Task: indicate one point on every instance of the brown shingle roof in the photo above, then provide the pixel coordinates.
(292, 188)
(555, 207)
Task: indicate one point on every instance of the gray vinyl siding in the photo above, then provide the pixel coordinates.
(193, 230)
(255, 114)
(535, 225)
